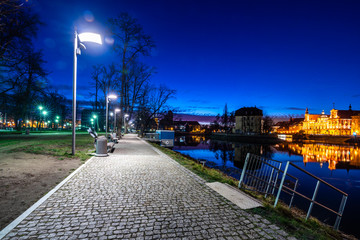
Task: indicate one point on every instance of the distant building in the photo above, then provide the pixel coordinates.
(187, 126)
(167, 122)
(294, 125)
(338, 123)
(248, 120)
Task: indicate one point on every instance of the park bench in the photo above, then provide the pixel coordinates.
(114, 138)
(110, 145)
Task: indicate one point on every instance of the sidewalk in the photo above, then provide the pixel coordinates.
(139, 193)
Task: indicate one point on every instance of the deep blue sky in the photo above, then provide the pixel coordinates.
(281, 56)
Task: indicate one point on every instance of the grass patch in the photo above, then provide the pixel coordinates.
(57, 145)
(292, 221)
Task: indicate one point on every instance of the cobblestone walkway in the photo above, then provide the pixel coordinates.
(140, 193)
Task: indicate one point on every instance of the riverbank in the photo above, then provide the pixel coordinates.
(291, 221)
(260, 139)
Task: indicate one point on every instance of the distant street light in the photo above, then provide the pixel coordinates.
(108, 97)
(125, 116)
(116, 110)
(97, 122)
(78, 40)
(40, 108)
(45, 113)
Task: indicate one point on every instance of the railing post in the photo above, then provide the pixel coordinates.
(341, 210)
(281, 183)
(258, 172)
(293, 194)
(244, 169)
(313, 199)
(268, 186)
(276, 178)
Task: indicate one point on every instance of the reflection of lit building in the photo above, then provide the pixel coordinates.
(332, 154)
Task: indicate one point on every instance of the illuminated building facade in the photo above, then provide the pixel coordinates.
(338, 123)
(293, 126)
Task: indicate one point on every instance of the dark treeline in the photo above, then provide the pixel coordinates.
(23, 79)
(130, 78)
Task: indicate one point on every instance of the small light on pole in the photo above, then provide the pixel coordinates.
(111, 96)
(45, 113)
(116, 110)
(78, 40)
(125, 116)
(40, 108)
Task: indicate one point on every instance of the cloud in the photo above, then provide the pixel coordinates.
(62, 87)
(295, 108)
(199, 101)
(201, 107)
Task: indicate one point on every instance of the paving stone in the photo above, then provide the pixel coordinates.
(139, 193)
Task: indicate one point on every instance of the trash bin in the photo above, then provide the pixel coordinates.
(101, 147)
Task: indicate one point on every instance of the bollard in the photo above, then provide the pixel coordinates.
(101, 147)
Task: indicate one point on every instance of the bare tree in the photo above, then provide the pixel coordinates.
(96, 76)
(153, 104)
(31, 83)
(138, 78)
(267, 124)
(18, 25)
(225, 118)
(130, 43)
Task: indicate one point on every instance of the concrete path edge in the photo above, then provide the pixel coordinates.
(14, 223)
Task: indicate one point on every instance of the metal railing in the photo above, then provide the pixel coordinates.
(265, 176)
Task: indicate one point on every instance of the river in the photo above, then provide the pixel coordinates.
(336, 164)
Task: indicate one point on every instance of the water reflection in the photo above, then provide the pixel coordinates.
(337, 156)
(225, 155)
(329, 162)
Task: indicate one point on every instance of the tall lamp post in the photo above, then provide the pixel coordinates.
(116, 110)
(97, 122)
(125, 116)
(40, 108)
(45, 113)
(108, 97)
(78, 41)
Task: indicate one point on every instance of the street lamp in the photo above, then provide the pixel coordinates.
(40, 108)
(125, 116)
(45, 113)
(97, 122)
(78, 41)
(108, 97)
(116, 110)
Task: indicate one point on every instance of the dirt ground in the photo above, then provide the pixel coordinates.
(25, 178)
